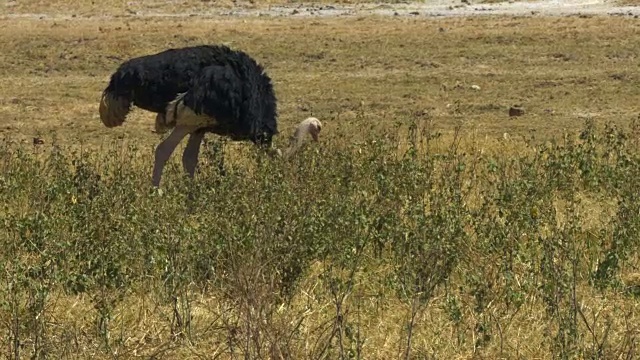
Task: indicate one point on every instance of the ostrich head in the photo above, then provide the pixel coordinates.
(311, 126)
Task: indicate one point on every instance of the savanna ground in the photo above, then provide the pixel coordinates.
(426, 224)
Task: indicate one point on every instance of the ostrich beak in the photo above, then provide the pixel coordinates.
(315, 132)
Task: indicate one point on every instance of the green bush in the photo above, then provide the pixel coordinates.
(491, 232)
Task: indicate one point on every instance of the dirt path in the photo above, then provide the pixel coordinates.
(448, 8)
(434, 8)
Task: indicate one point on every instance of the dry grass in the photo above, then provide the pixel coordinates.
(561, 70)
(115, 8)
(119, 8)
(628, 2)
(358, 75)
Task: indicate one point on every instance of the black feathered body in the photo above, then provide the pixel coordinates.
(239, 96)
(150, 82)
(217, 80)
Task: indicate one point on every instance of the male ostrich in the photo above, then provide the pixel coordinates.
(150, 82)
(196, 90)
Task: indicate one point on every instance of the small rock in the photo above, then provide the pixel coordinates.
(516, 111)
(618, 76)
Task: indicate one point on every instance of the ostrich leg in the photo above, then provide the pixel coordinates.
(191, 152)
(166, 148)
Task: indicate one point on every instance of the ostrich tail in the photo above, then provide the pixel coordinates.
(113, 109)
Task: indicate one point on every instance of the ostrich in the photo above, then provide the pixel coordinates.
(150, 82)
(198, 90)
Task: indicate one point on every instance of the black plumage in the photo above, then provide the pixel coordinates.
(239, 96)
(150, 82)
(195, 90)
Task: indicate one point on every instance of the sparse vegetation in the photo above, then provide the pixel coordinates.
(352, 250)
(425, 224)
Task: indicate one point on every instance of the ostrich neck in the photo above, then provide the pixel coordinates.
(295, 141)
